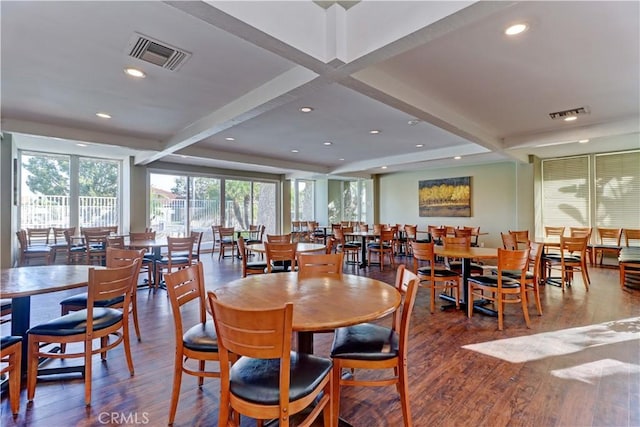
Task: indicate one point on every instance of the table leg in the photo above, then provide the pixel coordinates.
(478, 305)
(363, 253)
(20, 318)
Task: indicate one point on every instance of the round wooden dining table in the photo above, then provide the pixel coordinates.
(319, 303)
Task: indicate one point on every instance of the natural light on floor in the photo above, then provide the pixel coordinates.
(557, 343)
(590, 372)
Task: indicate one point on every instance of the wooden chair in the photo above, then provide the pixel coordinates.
(95, 243)
(410, 234)
(5, 310)
(116, 242)
(583, 232)
(319, 265)
(384, 246)
(179, 256)
(631, 237)
(227, 240)
(60, 244)
(509, 241)
(38, 236)
(608, 243)
(532, 275)
(554, 231)
(257, 267)
(280, 256)
(84, 326)
(331, 244)
(372, 346)
(76, 252)
(455, 264)
(433, 275)
(149, 258)
(572, 258)
(437, 234)
(11, 354)
(216, 237)
(115, 258)
(521, 237)
(280, 238)
(268, 381)
(501, 289)
(475, 235)
(196, 343)
(197, 243)
(28, 253)
(351, 250)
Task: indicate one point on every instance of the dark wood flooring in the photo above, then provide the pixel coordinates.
(449, 385)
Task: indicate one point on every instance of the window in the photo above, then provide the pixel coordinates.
(565, 192)
(349, 200)
(302, 200)
(598, 190)
(68, 191)
(617, 190)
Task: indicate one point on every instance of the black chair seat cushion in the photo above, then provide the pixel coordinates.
(376, 245)
(365, 341)
(80, 300)
(457, 267)
(38, 250)
(611, 247)
(558, 258)
(76, 322)
(257, 380)
(438, 272)
(9, 340)
(256, 265)
(630, 255)
(493, 281)
(5, 304)
(174, 260)
(201, 337)
(252, 242)
(57, 246)
(348, 246)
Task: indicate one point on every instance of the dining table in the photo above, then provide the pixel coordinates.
(467, 254)
(319, 303)
(155, 245)
(21, 283)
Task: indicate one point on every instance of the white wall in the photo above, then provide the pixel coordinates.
(501, 199)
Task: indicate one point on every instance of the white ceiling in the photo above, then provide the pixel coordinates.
(361, 66)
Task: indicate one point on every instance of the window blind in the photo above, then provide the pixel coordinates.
(617, 190)
(565, 192)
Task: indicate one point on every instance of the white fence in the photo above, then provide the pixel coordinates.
(54, 211)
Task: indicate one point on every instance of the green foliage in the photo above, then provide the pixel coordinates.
(98, 178)
(48, 175)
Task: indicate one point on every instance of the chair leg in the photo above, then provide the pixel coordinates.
(337, 376)
(87, 372)
(15, 361)
(175, 392)
(433, 298)
(403, 386)
(525, 309)
(134, 313)
(500, 311)
(32, 370)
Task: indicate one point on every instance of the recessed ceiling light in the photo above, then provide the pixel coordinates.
(103, 115)
(342, 160)
(374, 132)
(516, 29)
(230, 138)
(457, 157)
(419, 145)
(183, 156)
(327, 143)
(383, 167)
(81, 145)
(306, 109)
(583, 141)
(413, 122)
(134, 72)
(295, 151)
(570, 118)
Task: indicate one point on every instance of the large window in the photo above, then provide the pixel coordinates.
(349, 201)
(180, 204)
(600, 190)
(302, 197)
(67, 191)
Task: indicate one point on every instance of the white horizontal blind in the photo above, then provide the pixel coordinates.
(565, 192)
(617, 190)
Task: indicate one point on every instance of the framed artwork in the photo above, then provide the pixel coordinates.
(445, 197)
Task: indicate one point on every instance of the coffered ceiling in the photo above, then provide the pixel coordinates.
(436, 79)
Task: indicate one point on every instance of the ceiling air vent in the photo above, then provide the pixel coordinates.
(574, 112)
(156, 52)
